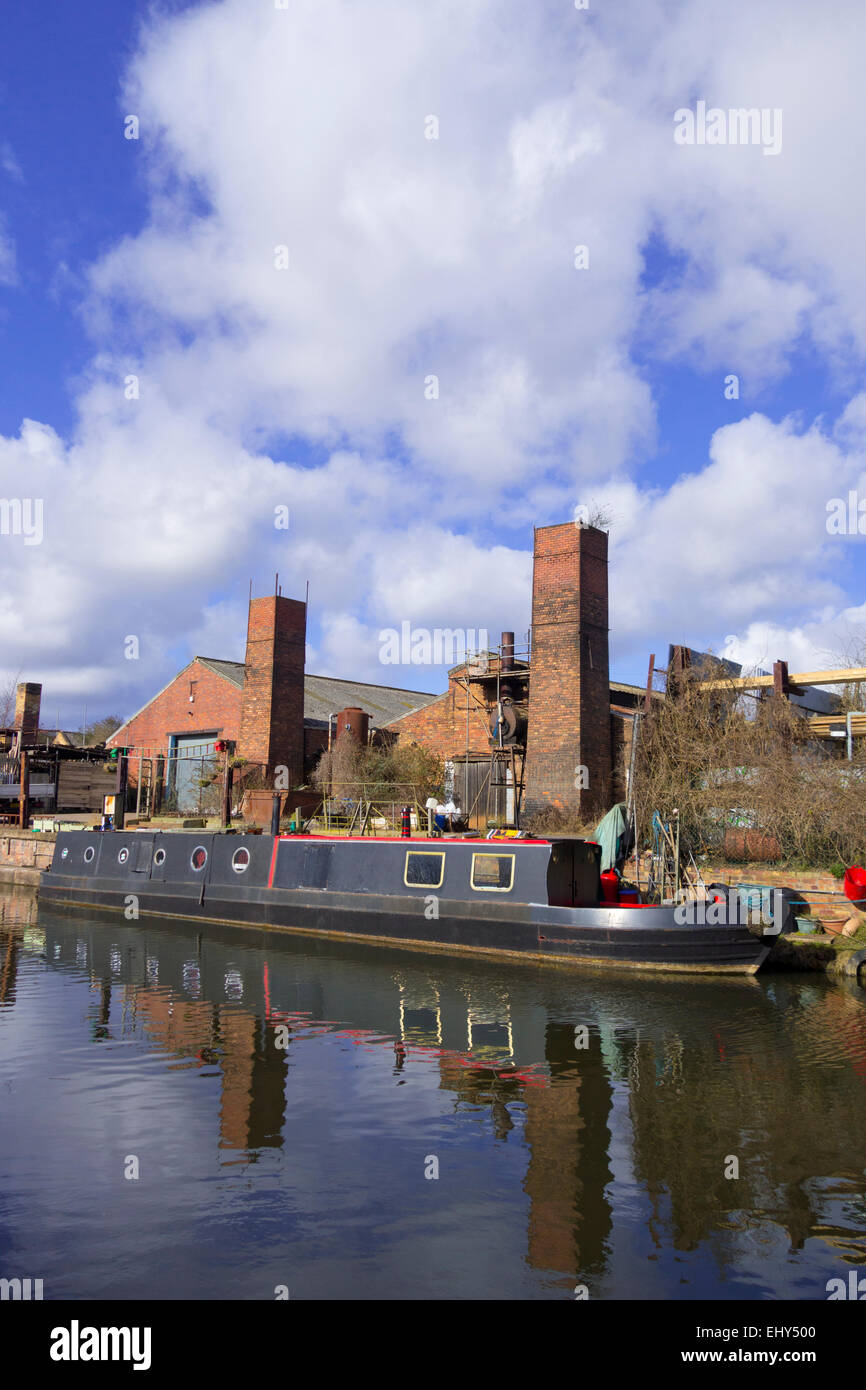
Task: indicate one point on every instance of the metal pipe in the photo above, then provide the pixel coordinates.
(120, 792)
(632, 803)
(849, 736)
(226, 809)
(24, 791)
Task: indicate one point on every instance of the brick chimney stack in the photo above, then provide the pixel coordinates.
(28, 701)
(272, 708)
(568, 752)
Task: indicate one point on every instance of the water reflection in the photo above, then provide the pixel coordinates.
(604, 1162)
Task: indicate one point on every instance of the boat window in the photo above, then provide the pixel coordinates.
(159, 857)
(493, 873)
(198, 858)
(424, 868)
(122, 855)
(89, 854)
(240, 860)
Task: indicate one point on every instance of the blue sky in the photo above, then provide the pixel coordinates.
(411, 257)
(59, 94)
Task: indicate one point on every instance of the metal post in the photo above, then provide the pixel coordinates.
(120, 793)
(632, 816)
(24, 791)
(227, 791)
(849, 736)
(466, 764)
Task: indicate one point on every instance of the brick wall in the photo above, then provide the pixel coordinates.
(822, 892)
(27, 850)
(621, 734)
(216, 705)
(569, 687)
(272, 707)
(441, 725)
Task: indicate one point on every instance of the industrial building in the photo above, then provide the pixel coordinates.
(278, 716)
(518, 731)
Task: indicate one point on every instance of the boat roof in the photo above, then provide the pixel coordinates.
(439, 841)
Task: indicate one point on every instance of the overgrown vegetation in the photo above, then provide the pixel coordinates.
(399, 772)
(743, 776)
(556, 822)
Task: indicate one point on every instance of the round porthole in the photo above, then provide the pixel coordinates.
(159, 857)
(122, 855)
(198, 858)
(240, 860)
(89, 854)
(63, 853)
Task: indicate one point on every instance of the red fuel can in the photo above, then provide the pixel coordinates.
(610, 886)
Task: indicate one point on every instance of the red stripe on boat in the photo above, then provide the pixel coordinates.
(273, 863)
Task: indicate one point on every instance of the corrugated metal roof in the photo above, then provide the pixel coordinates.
(324, 695)
(231, 670)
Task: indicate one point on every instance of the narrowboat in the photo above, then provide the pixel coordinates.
(535, 899)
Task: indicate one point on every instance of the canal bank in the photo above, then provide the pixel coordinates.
(24, 855)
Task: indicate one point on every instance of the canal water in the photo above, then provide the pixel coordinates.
(228, 1115)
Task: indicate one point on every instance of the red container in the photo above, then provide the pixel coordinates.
(610, 886)
(855, 885)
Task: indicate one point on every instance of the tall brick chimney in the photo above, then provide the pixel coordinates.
(28, 701)
(272, 708)
(568, 740)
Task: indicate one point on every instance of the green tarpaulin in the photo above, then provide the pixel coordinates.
(611, 833)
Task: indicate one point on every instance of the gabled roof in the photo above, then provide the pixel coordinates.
(148, 703)
(323, 695)
(230, 670)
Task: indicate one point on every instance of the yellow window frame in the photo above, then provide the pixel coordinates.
(427, 854)
(487, 887)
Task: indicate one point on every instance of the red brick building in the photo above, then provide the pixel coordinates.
(277, 715)
(553, 726)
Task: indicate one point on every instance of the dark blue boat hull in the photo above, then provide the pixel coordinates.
(155, 878)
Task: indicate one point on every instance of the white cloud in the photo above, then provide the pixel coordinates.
(412, 257)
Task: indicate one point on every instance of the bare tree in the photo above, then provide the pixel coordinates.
(101, 729)
(726, 760)
(8, 690)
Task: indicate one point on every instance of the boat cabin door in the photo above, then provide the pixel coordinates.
(573, 874)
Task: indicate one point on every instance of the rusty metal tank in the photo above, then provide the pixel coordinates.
(353, 723)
